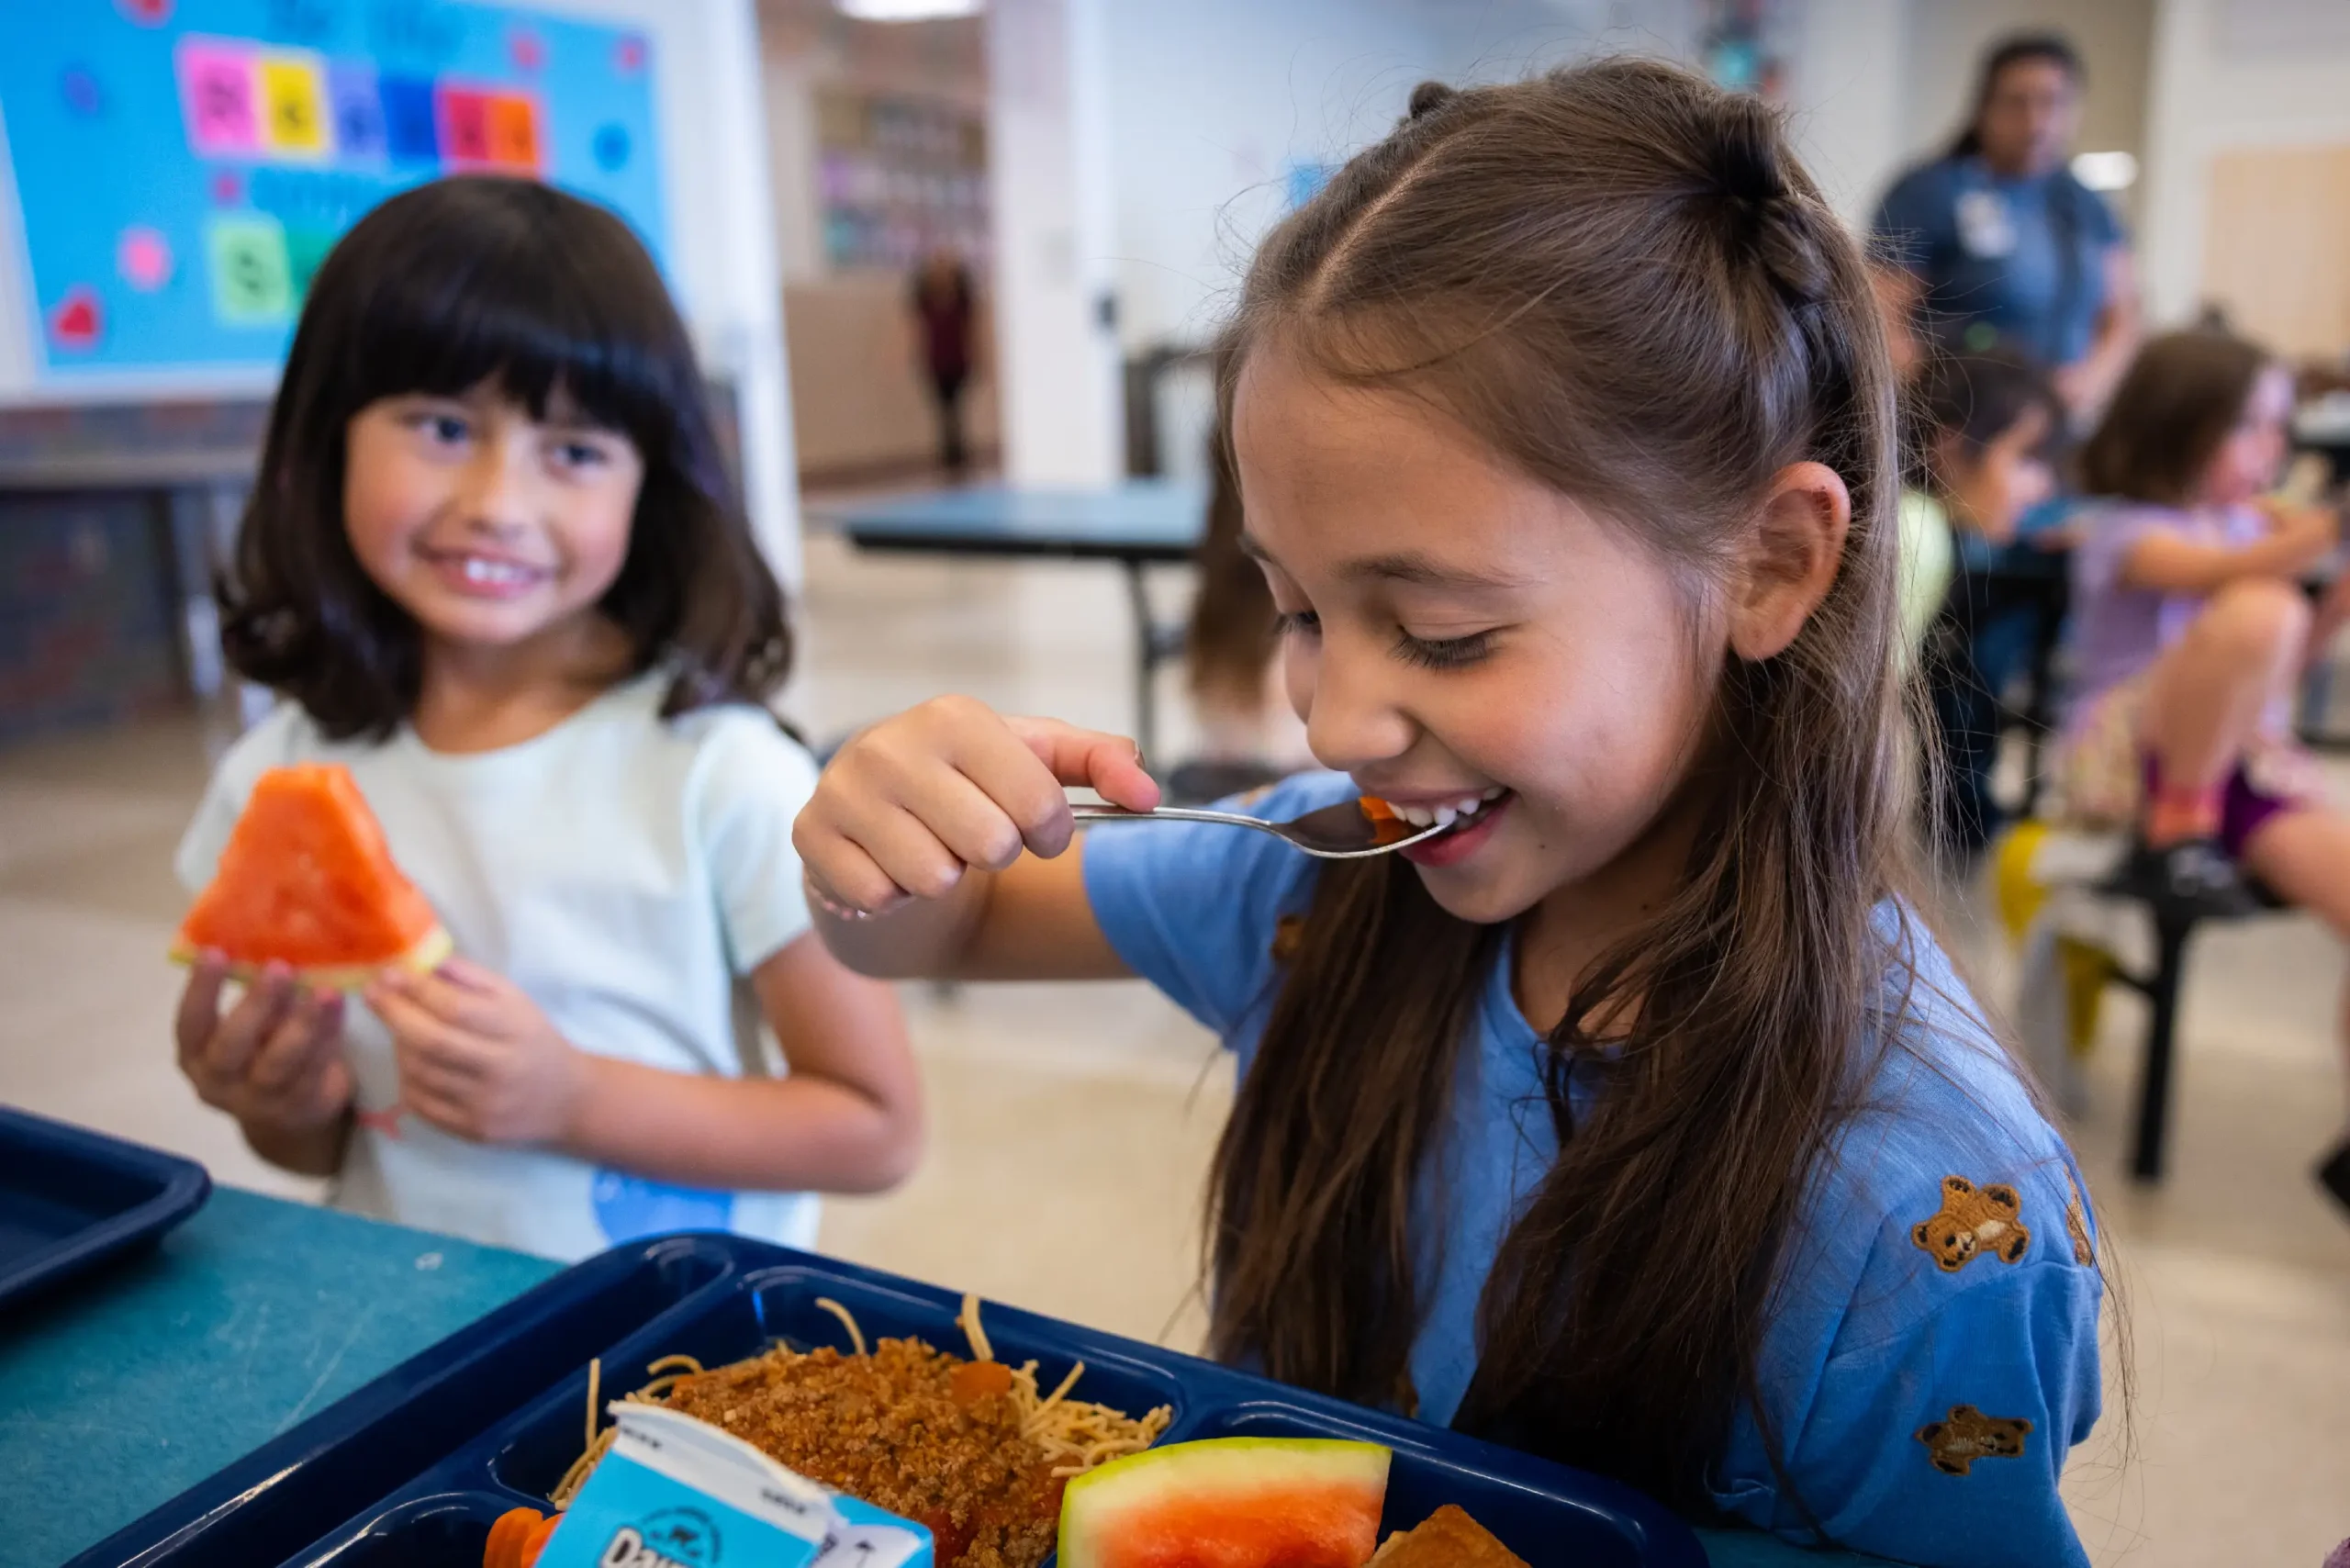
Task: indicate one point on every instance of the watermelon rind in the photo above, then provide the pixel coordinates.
(427, 953)
(1101, 1492)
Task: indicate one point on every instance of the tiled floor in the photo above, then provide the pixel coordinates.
(1072, 1123)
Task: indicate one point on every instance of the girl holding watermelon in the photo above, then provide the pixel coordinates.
(492, 566)
(1638, 1120)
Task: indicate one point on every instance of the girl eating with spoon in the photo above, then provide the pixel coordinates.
(1636, 1119)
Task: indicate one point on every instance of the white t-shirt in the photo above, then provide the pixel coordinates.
(627, 872)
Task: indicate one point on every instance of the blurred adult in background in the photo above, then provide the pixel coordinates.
(945, 313)
(1994, 239)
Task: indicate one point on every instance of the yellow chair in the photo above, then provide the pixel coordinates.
(2020, 896)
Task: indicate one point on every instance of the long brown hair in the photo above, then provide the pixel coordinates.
(2176, 403)
(1618, 278)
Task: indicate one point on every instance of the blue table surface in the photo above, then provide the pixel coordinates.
(1153, 512)
(123, 1389)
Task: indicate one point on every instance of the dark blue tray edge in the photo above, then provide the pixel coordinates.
(185, 1186)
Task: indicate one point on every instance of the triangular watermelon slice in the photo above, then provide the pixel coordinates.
(1228, 1502)
(307, 881)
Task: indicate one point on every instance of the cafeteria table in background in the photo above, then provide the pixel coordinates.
(131, 1384)
(1136, 525)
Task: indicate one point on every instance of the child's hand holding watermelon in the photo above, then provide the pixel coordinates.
(274, 1060)
(477, 1057)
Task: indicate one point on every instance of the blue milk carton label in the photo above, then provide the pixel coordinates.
(678, 1493)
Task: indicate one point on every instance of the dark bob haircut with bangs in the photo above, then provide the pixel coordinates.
(439, 289)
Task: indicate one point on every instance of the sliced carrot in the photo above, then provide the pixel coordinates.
(1378, 810)
(536, 1541)
(504, 1548)
(974, 1381)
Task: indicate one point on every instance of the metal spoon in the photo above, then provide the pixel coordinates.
(1333, 833)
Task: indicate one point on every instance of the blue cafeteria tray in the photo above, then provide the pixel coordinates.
(70, 1198)
(413, 1468)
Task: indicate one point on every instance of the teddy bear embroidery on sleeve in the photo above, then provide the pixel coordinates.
(1973, 1220)
(1965, 1435)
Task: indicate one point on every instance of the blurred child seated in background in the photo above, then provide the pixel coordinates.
(1983, 432)
(493, 566)
(2190, 631)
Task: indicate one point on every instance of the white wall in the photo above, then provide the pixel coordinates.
(1050, 207)
(1213, 101)
(1845, 94)
(1210, 103)
(790, 85)
(2227, 74)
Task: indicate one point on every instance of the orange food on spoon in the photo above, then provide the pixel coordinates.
(1387, 823)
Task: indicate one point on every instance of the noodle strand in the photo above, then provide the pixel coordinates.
(848, 1320)
(968, 1321)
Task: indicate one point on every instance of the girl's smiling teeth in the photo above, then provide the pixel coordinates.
(492, 573)
(1442, 812)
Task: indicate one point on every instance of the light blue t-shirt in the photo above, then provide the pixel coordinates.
(1932, 1353)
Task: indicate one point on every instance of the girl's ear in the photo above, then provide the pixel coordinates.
(1792, 554)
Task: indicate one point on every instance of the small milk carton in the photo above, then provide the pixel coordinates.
(677, 1493)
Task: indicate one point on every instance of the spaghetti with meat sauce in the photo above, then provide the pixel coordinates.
(973, 1449)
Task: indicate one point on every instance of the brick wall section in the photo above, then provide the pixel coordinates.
(87, 635)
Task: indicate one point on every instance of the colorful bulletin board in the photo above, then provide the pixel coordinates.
(181, 167)
(901, 177)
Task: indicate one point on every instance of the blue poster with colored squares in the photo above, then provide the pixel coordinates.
(181, 167)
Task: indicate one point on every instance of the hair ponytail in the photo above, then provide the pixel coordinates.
(1747, 164)
(1427, 98)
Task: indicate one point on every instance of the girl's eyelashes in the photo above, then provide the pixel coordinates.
(1429, 652)
(1443, 653)
(580, 454)
(438, 426)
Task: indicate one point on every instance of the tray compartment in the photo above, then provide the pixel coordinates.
(1551, 1516)
(448, 1529)
(780, 1304)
